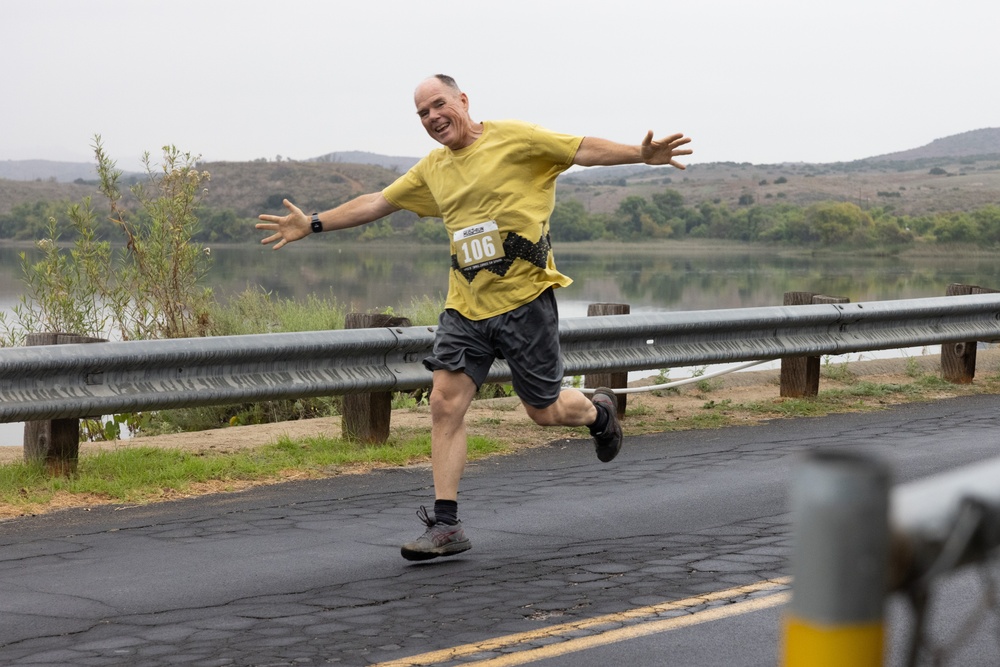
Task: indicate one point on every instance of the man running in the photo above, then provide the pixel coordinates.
(493, 184)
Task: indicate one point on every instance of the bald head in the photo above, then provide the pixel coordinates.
(444, 112)
(446, 80)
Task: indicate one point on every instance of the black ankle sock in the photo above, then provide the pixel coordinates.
(601, 422)
(446, 511)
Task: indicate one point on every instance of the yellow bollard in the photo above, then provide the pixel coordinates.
(840, 563)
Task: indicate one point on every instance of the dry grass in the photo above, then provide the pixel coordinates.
(249, 188)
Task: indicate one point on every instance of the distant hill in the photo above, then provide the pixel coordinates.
(45, 170)
(967, 144)
(392, 162)
(960, 172)
(250, 188)
(984, 144)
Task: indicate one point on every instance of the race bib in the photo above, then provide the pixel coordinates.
(478, 246)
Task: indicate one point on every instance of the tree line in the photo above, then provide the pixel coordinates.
(829, 223)
(662, 216)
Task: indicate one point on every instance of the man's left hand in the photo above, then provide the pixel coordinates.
(663, 151)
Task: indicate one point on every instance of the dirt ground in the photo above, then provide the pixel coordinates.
(503, 418)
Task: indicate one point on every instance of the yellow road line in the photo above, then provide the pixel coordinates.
(609, 636)
(633, 631)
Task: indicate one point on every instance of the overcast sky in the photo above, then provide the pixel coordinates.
(759, 81)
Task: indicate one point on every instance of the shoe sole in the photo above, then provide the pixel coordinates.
(450, 550)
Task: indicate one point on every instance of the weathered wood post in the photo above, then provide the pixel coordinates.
(958, 360)
(54, 442)
(366, 416)
(800, 375)
(617, 380)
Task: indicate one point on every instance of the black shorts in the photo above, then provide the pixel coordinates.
(527, 337)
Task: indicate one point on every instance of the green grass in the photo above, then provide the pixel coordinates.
(861, 396)
(141, 473)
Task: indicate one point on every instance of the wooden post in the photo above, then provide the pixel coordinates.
(800, 375)
(54, 442)
(366, 416)
(618, 380)
(958, 360)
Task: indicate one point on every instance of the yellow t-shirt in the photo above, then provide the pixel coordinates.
(495, 198)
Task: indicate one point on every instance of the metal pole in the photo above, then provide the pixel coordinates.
(840, 560)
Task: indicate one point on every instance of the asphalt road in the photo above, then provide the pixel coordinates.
(675, 553)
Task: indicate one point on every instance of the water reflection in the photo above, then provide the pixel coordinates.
(648, 278)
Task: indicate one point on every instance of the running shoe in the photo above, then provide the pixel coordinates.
(609, 441)
(440, 539)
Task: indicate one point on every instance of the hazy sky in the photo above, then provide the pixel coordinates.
(749, 80)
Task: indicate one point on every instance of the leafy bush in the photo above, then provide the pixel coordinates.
(148, 287)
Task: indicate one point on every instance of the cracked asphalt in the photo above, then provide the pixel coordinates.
(309, 573)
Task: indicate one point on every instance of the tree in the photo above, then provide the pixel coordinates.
(636, 219)
(837, 222)
(431, 230)
(988, 221)
(956, 228)
(669, 203)
(888, 232)
(570, 222)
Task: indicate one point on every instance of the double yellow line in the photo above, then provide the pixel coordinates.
(738, 603)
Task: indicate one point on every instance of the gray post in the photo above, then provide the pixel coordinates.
(840, 562)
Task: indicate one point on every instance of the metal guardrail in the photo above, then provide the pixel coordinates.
(68, 381)
(933, 521)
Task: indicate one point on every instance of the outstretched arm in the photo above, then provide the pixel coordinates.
(595, 152)
(297, 225)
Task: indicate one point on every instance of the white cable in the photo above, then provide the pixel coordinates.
(681, 383)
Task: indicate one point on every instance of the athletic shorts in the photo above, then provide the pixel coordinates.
(527, 337)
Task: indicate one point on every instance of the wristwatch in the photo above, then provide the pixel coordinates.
(317, 226)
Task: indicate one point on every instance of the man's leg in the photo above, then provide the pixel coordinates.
(573, 408)
(450, 399)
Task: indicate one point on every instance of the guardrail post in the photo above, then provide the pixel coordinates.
(840, 562)
(610, 380)
(54, 442)
(366, 417)
(958, 360)
(800, 375)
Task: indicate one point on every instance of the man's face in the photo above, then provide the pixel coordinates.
(444, 113)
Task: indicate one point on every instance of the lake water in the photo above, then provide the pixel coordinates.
(650, 278)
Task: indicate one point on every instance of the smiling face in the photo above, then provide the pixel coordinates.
(444, 113)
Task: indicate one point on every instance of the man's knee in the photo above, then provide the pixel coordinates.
(451, 394)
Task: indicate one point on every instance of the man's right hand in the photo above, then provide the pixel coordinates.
(286, 228)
